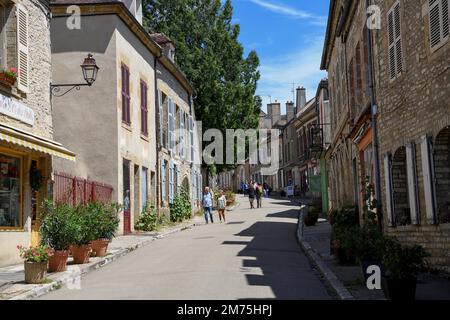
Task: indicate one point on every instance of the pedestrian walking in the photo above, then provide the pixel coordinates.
(266, 189)
(259, 195)
(221, 205)
(251, 195)
(207, 204)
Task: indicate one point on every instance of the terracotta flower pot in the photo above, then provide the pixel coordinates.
(35, 272)
(58, 261)
(100, 246)
(81, 253)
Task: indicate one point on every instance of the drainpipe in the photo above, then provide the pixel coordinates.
(158, 140)
(374, 112)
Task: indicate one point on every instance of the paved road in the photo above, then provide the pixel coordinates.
(254, 255)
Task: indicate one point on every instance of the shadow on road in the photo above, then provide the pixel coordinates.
(274, 251)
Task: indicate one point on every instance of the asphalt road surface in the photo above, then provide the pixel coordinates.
(254, 255)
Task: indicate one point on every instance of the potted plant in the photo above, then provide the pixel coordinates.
(8, 76)
(311, 216)
(84, 233)
(370, 242)
(106, 221)
(402, 263)
(35, 265)
(57, 231)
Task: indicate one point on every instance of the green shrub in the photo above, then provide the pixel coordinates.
(181, 208)
(148, 220)
(83, 219)
(57, 229)
(402, 261)
(104, 219)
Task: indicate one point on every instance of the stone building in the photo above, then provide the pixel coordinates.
(413, 93)
(113, 125)
(178, 144)
(345, 57)
(26, 127)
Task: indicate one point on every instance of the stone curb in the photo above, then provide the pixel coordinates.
(327, 273)
(71, 277)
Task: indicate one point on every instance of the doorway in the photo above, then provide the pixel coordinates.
(126, 197)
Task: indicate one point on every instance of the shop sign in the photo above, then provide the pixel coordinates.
(16, 110)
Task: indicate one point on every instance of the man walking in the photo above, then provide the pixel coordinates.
(251, 195)
(207, 204)
(259, 195)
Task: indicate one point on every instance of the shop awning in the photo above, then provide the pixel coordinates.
(24, 139)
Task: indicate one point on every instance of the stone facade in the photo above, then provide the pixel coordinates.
(413, 105)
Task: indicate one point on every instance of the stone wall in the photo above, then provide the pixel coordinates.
(414, 104)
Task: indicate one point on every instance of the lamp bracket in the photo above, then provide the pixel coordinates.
(56, 88)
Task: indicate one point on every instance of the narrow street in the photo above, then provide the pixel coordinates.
(254, 255)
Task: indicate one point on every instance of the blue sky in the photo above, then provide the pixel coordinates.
(288, 36)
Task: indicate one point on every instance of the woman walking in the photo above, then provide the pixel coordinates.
(251, 195)
(207, 204)
(221, 206)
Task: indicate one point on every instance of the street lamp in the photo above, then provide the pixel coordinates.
(89, 69)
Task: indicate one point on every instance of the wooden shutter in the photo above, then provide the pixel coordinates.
(171, 124)
(389, 190)
(22, 48)
(171, 182)
(439, 22)
(395, 41)
(191, 142)
(160, 103)
(144, 110)
(181, 134)
(428, 179)
(178, 180)
(126, 95)
(412, 182)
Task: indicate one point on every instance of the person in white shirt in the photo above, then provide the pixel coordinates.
(221, 205)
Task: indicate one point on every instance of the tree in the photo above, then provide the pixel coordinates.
(210, 55)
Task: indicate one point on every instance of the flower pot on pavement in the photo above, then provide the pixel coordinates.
(100, 247)
(58, 261)
(81, 253)
(35, 271)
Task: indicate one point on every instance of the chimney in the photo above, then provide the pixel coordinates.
(290, 110)
(301, 98)
(274, 111)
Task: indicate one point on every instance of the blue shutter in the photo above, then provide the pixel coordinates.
(160, 117)
(428, 179)
(163, 180)
(178, 180)
(171, 196)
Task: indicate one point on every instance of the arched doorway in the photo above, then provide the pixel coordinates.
(185, 185)
(400, 188)
(442, 174)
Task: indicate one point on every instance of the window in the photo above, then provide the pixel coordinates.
(126, 95)
(439, 22)
(144, 110)
(22, 47)
(395, 41)
(10, 191)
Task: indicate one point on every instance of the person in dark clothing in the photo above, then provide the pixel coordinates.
(251, 195)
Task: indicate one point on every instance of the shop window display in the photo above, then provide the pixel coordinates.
(10, 176)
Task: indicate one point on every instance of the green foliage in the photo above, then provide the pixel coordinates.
(402, 261)
(57, 228)
(104, 219)
(181, 208)
(209, 53)
(83, 219)
(344, 233)
(148, 219)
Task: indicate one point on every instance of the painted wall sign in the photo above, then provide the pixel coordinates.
(16, 110)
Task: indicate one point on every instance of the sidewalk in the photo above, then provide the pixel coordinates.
(13, 287)
(349, 280)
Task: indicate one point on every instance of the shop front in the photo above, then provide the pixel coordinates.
(25, 181)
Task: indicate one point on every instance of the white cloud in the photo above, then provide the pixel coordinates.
(301, 67)
(283, 9)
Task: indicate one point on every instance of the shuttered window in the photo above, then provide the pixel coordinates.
(181, 133)
(126, 98)
(161, 117)
(389, 189)
(428, 178)
(171, 182)
(439, 22)
(178, 180)
(395, 41)
(411, 170)
(163, 180)
(171, 125)
(22, 48)
(191, 142)
(144, 110)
